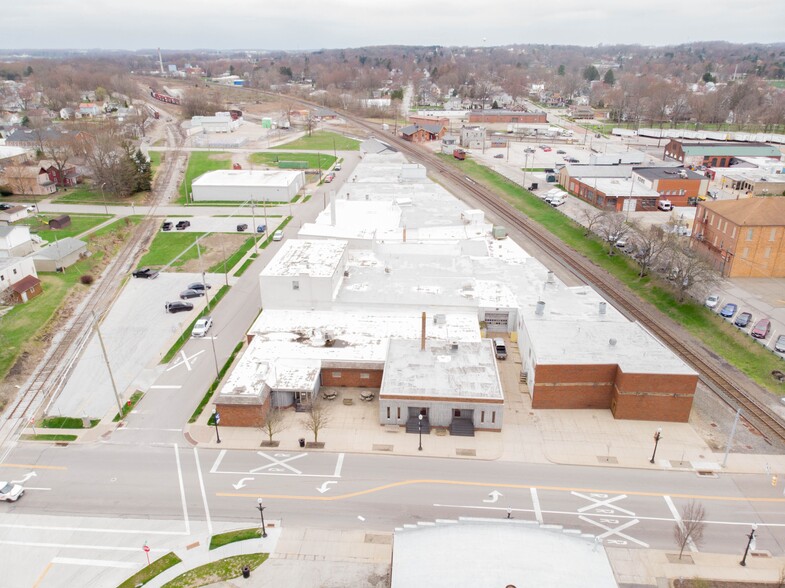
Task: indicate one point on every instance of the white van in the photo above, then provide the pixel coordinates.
(500, 349)
(665, 205)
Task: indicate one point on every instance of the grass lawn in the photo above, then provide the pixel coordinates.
(201, 162)
(222, 539)
(147, 573)
(86, 194)
(314, 160)
(171, 249)
(155, 160)
(719, 335)
(64, 423)
(217, 571)
(323, 141)
(79, 224)
(129, 405)
(49, 437)
(214, 386)
(24, 327)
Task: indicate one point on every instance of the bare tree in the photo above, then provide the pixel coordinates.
(689, 268)
(612, 228)
(691, 526)
(590, 218)
(651, 243)
(317, 419)
(274, 423)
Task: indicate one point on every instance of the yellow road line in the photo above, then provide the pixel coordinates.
(31, 466)
(43, 575)
(489, 485)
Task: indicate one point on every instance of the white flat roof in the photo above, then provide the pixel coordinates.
(621, 187)
(442, 370)
(247, 178)
(316, 258)
(254, 377)
(357, 336)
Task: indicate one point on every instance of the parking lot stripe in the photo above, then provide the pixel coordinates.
(100, 563)
(165, 387)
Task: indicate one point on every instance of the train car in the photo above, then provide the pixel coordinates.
(236, 114)
(165, 98)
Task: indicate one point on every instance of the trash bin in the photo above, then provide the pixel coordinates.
(246, 572)
(302, 441)
(534, 186)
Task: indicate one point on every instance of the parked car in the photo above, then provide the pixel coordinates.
(4, 206)
(278, 235)
(198, 286)
(547, 149)
(761, 329)
(186, 294)
(557, 201)
(261, 228)
(10, 491)
(167, 226)
(779, 344)
(570, 160)
(178, 306)
(32, 208)
(202, 326)
(329, 178)
(712, 300)
(665, 205)
(529, 150)
(743, 320)
(499, 156)
(729, 310)
(561, 152)
(146, 272)
(182, 225)
(622, 242)
(500, 349)
(337, 167)
(242, 227)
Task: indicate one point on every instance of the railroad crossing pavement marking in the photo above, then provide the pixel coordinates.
(278, 465)
(615, 531)
(599, 500)
(185, 360)
(491, 485)
(275, 461)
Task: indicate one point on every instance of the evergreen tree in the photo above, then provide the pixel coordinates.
(609, 78)
(590, 74)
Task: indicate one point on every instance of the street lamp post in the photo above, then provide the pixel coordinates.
(216, 420)
(261, 508)
(657, 437)
(419, 430)
(750, 539)
(103, 197)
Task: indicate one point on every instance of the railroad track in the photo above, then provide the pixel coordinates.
(729, 387)
(53, 371)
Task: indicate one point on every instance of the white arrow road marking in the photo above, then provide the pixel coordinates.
(241, 483)
(25, 478)
(325, 486)
(679, 521)
(278, 462)
(493, 496)
(218, 461)
(615, 530)
(185, 360)
(598, 503)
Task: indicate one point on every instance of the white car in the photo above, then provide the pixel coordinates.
(202, 326)
(712, 300)
(10, 491)
(278, 235)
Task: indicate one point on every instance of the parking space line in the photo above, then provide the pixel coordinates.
(182, 489)
(536, 504)
(98, 563)
(204, 494)
(32, 466)
(164, 387)
(75, 546)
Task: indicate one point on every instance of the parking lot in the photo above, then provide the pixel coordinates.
(219, 224)
(137, 332)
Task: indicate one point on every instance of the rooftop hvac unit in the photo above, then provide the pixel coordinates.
(602, 307)
(612, 342)
(454, 346)
(439, 319)
(540, 308)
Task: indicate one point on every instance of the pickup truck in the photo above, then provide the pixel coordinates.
(146, 272)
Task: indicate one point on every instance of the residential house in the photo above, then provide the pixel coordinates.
(27, 179)
(89, 109)
(67, 113)
(13, 269)
(25, 289)
(473, 137)
(34, 138)
(421, 134)
(15, 241)
(13, 214)
(745, 238)
(68, 176)
(60, 255)
(581, 111)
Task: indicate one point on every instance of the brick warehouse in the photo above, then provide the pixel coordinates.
(507, 116)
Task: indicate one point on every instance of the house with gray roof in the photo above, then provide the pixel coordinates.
(60, 255)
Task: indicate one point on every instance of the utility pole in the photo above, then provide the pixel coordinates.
(108, 367)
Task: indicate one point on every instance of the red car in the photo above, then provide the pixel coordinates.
(547, 149)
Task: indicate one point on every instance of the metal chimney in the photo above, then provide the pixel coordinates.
(602, 307)
(550, 278)
(540, 308)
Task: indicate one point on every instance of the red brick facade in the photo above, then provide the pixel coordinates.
(352, 378)
(649, 397)
(243, 415)
(491, 116)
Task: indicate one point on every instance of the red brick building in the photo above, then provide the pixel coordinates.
(424, 133)
(681, 186)
(507, 116)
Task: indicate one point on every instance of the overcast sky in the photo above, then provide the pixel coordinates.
(314, 24)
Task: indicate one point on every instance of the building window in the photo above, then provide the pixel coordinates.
(482, 416)
(772, 234)
(295, 285)
(365, 376)
(767, 253)
(14, 271)
(745, 253)
(336, 374)
(733, 233)
(749, 234)
(493, 416)
(388, 413)
(399, 413)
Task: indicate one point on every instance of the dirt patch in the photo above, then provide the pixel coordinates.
(701, 583)
(220, 156)
(213, 246)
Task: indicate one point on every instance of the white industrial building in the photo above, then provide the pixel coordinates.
(221, 122)
(242, 185)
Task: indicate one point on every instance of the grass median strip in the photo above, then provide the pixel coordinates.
(217, 571)
(723, 339)
(186, 334)
(246, 264)
(222, 539)
(65, 423)
(214, 386)
(147, 573)
(129, 405)
(45, 437)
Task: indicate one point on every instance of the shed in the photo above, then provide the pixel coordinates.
(60, 222)
(60, 255)
(26, 289)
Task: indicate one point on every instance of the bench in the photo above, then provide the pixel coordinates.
(348, 401)
(329, 395)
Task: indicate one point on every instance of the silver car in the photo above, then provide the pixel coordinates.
(10, 491)
(202, 326)
(779, 345)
